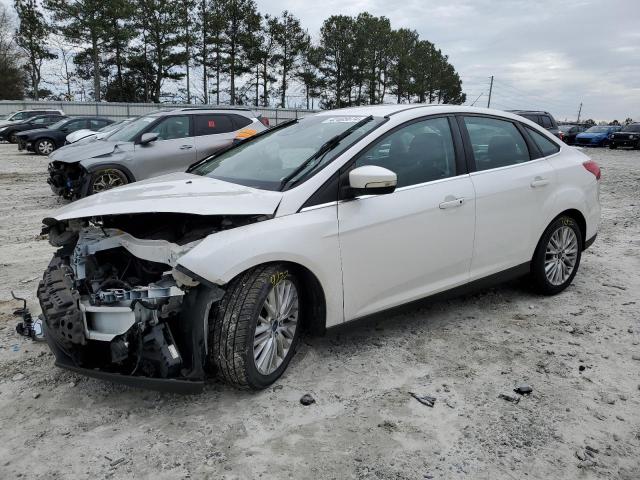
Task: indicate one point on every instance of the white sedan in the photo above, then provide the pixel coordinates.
(317, 222)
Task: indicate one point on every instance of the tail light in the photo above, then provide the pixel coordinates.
(593, 167)
(264, 120)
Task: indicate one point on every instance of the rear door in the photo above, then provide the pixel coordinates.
(173, 151)
(513, 185)
(212, 132)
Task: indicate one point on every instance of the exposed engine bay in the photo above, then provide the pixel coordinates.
(115, 303)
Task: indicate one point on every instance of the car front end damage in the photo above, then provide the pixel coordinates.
(117, 306)
(68, 180)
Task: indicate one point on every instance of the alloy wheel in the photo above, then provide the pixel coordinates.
(561, 255)
(276, 327)
(106, 180)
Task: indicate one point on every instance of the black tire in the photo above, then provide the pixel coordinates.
(538, 274)
(12, 138)
(232, 326)
(98, 182)
(44, 146)
(612, 146)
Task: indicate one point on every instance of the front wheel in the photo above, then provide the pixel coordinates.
(612, 146)
(13, 138)
(107, 179)
(254, 329)
(44, 146)
(557, 256)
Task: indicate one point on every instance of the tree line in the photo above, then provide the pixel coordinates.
(213, 51)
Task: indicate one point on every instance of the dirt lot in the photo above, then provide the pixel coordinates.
(580, 351)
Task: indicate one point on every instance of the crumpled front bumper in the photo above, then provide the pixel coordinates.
(67, 180)
(171, 385)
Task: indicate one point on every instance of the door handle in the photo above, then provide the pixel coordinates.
(539, 182)
(186, 147)
(456, 202)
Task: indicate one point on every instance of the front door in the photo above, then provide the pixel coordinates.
(416, 241)
(173, 151)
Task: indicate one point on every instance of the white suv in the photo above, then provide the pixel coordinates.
(312, 224)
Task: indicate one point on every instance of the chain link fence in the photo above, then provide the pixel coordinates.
(126, 110)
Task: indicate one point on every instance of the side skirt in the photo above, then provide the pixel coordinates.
(471, 287)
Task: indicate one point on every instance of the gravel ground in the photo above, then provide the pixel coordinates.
(579, 351)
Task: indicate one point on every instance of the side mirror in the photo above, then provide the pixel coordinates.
(148, 138)
(372, 180)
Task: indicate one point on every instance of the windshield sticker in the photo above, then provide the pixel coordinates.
(342, 120)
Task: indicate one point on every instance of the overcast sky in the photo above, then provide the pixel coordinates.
(545, 54)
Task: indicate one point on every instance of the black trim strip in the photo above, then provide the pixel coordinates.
(197, 277)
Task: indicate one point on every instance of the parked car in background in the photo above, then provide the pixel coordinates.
(596, 136)
(43, 141)
(569, 133)
(23, 115)
(161, 142)
(8, 132)
(86, 134)
(544, 119)
(317, 222)
(628, 136)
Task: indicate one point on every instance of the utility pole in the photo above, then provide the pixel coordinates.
(579, 112)
(490, 90)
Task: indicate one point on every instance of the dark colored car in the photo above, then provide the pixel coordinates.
(8, 132)
(43, 141)
(569, 133)
(629, 136)
(544, 119)
(596, 136)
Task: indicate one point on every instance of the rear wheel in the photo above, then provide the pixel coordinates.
(44, 146)
(13, 138)
(107, 179)
(254, 329)
(557, 256)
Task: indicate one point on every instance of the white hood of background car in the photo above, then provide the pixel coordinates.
(175, 193)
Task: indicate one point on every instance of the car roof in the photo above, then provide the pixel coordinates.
(214, 109)
(417, 109)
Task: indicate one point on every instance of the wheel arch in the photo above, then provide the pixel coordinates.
(91, 169)
(579, 219)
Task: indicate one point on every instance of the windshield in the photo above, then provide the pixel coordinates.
(599, 129)
(631, 128)
(112, 126)
(129, 132)
(265, 162)
(58, 124)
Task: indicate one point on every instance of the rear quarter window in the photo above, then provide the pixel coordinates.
(240, 122)
(546, 146)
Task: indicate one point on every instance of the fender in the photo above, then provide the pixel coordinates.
(309, 239)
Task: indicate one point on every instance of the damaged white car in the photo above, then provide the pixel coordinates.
(316, 222)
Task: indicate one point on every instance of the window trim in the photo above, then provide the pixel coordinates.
(534, 152)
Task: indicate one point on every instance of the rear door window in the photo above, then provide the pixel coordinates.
(495, 143)
(546, 146)
(533, 118)
(96, 124)
(213, 124)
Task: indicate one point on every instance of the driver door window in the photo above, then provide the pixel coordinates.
(172, 127)
(418, 153)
